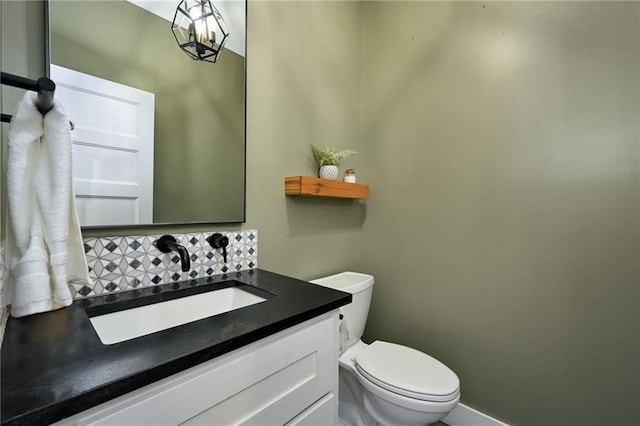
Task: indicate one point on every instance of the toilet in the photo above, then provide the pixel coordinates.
(385, 383)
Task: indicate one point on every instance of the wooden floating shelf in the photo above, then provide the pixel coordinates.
(316, 187)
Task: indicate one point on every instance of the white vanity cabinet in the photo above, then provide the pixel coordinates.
(290, 377)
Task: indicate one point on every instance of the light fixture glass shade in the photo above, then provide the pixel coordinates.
(199, 29)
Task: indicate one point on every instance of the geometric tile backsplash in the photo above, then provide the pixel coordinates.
(132, 262)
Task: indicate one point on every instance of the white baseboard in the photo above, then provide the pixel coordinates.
(467, 416)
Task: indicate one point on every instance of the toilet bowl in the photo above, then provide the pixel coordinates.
(382, 382)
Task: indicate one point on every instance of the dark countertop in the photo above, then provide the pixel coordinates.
(53, 365)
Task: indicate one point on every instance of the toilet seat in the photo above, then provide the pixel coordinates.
(407, 372)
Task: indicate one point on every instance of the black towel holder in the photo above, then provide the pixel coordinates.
(44, 86)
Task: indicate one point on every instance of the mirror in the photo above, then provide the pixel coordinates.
(198, 135)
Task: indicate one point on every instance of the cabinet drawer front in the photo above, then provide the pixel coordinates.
(269, 381)
(267, 401)
(322, 413)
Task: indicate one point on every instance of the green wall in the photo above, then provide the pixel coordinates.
(199, 116)
(500, 140)
(504, 139)
(303, 87)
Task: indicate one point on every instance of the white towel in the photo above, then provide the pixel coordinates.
(45, 253)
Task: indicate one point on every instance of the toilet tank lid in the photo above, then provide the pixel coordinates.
(351, 282)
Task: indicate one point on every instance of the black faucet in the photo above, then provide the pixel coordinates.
(217, 241)
(168, 243)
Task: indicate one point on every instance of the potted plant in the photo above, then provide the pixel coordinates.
(328, 160)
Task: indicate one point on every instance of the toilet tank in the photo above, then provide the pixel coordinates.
(354, 314)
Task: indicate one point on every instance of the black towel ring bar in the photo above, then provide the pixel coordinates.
(44, 86)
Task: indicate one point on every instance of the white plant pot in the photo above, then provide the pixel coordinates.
(328, 172)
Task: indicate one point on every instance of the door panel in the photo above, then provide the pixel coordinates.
(112, 148)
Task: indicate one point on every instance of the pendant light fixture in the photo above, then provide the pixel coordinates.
(199, 29)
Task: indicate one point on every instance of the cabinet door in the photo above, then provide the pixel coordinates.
(322, 413)
(267, 382)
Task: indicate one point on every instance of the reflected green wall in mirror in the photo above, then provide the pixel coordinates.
(200, 107)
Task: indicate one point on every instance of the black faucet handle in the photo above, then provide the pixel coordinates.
(217, 241)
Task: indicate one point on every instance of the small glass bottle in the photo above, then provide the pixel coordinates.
(350, 176)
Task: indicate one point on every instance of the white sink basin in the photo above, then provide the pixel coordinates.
(128, 324)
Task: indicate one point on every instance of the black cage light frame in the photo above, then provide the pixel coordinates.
(197, 27)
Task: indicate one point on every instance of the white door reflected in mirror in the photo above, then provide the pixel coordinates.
(112, 147)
